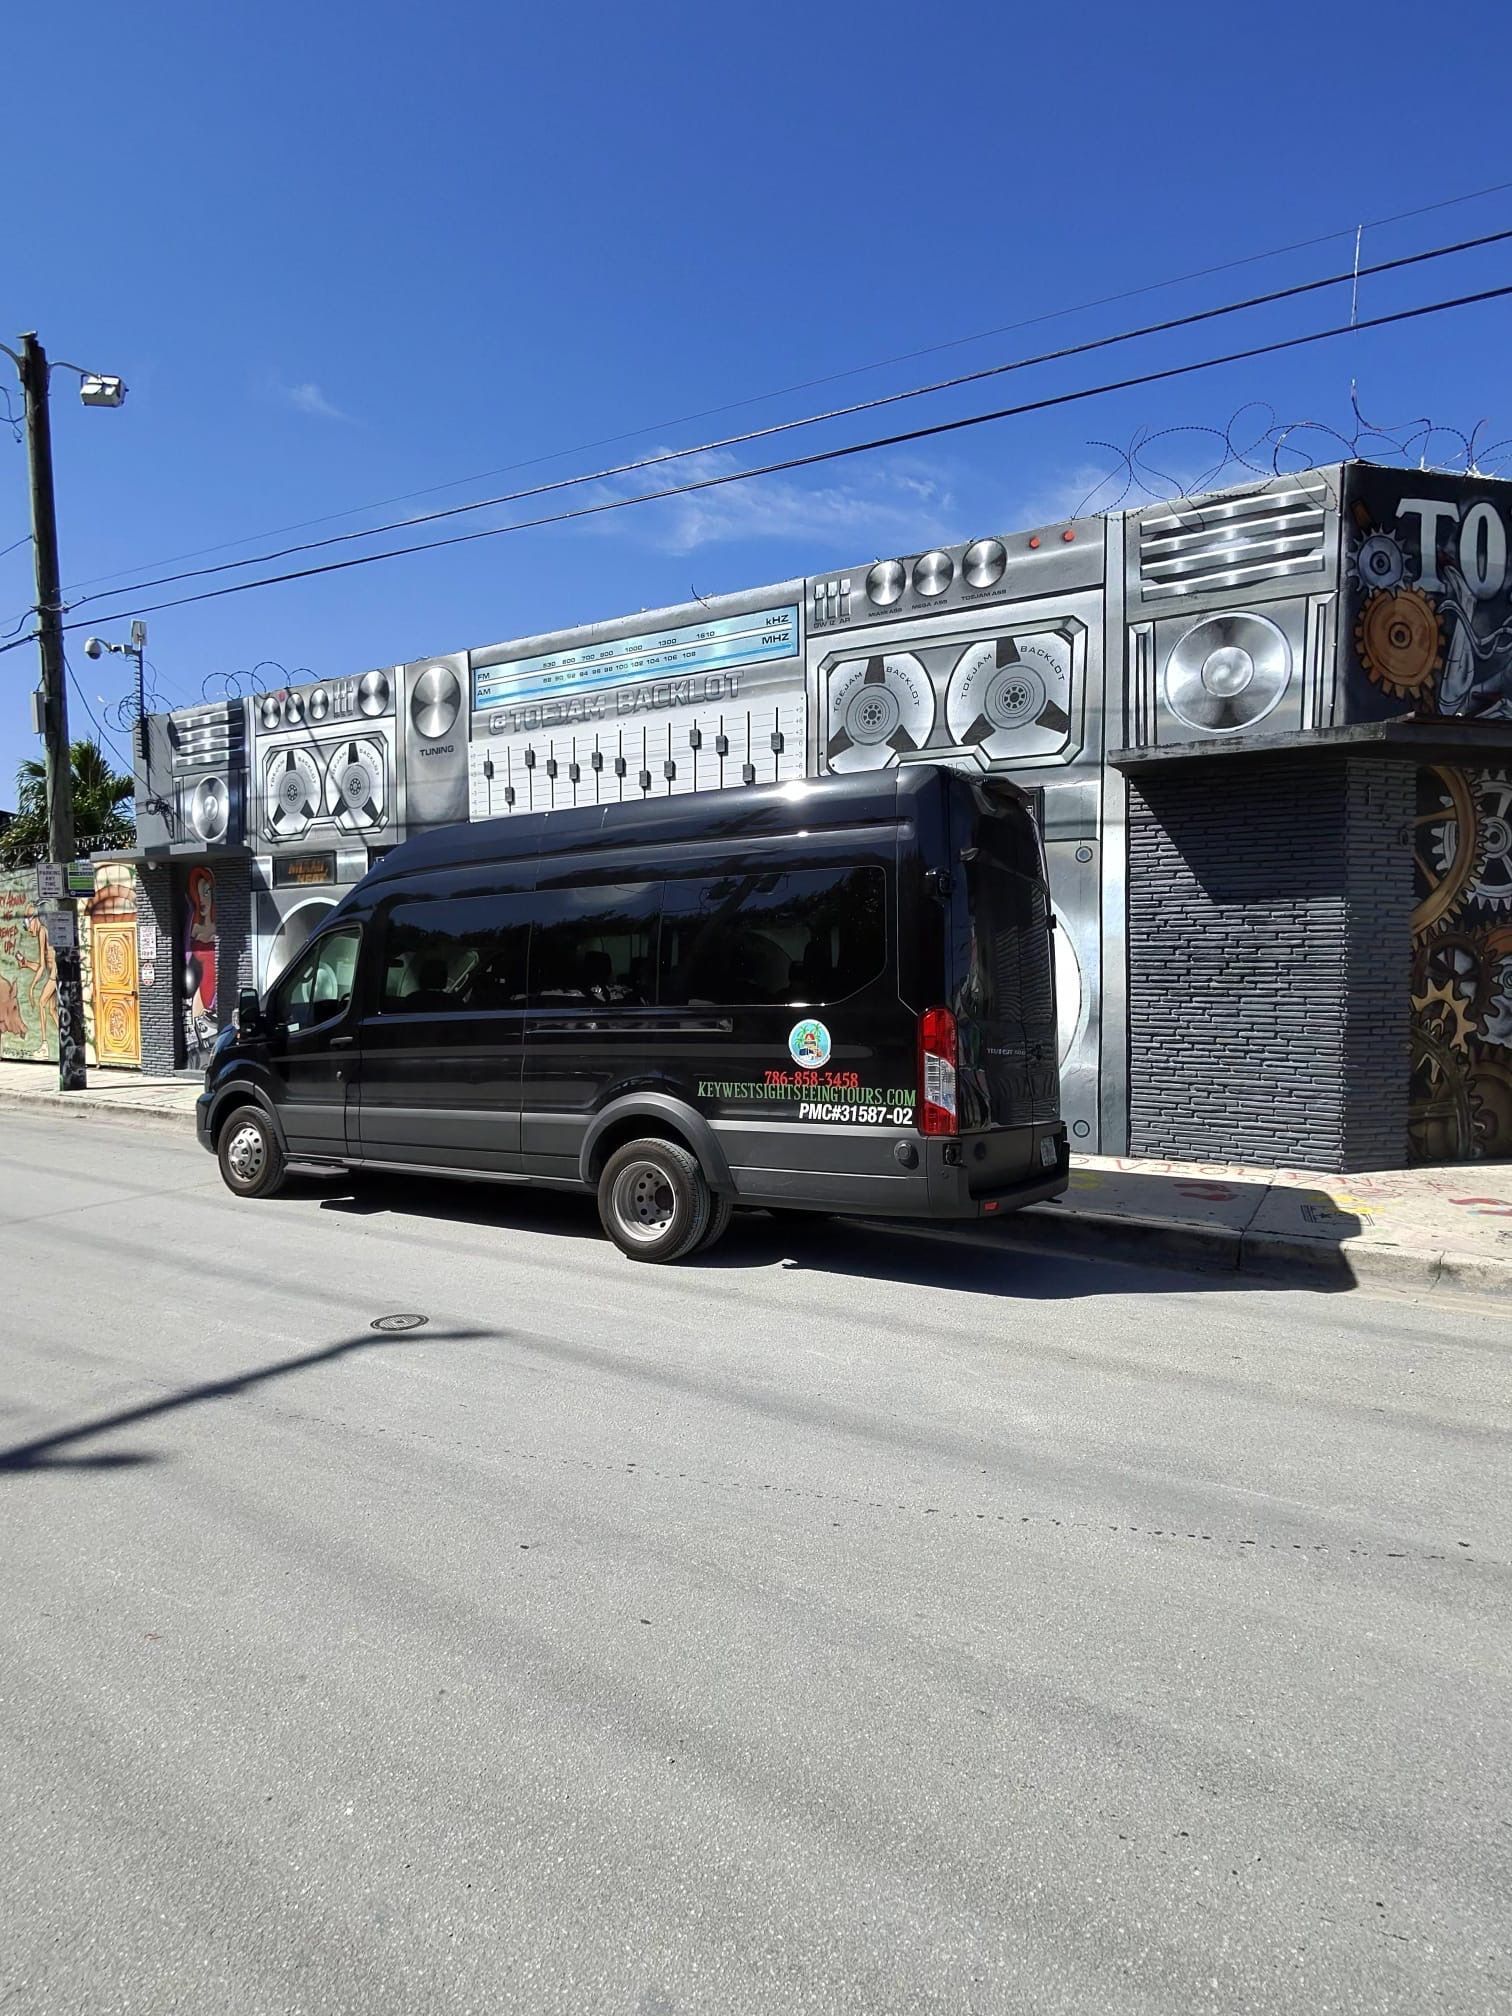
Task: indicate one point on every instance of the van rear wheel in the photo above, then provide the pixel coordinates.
(653, 1200)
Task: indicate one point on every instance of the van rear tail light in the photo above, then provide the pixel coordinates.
(937, 1072)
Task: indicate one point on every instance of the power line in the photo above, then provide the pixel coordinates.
(1350, 274)
(820, 455)
(828, 378)
(24, 540)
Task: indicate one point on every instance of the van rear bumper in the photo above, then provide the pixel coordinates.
(784, 1165)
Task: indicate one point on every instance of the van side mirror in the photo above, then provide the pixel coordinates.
(249, 1015)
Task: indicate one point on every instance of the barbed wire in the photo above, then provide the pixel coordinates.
(247, 681)
(1254, 441)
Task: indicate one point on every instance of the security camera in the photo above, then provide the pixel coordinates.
(93, 648)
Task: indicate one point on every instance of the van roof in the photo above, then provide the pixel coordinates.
(731, 813)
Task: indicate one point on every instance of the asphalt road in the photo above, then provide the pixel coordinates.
(852, 1622)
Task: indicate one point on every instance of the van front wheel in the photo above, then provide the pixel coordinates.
(653, 1200)
(250, 1155)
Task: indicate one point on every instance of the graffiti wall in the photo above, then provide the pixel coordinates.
(1461, 1104)
(29, 970)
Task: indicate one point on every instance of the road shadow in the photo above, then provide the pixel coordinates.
(999, 1257)
(57, 1451)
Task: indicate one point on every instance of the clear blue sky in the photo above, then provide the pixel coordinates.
(340, 254)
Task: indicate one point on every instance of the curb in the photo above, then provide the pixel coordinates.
(1221, 1249)
(85, 1108)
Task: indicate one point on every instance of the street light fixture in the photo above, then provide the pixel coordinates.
(95, 389)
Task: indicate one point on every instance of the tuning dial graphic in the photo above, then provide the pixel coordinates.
(373, 693)
(320, 704)
(293, 710)
(932, 573)
(984, 562)
(885, 583)
(435, 701)
(270, 712)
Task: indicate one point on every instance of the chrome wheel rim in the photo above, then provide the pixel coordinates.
(642, 1202)
(246, 1153)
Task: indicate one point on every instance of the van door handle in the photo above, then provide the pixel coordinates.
(342, 1042)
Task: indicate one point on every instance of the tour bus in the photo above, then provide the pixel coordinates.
(834, 996)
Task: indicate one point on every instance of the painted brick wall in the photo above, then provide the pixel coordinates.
(158, 1004)
(160, 900)
(1268, 962)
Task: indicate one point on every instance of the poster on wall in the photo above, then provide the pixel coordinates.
(197, 965)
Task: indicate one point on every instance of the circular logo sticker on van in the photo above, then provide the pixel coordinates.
(809, 1045)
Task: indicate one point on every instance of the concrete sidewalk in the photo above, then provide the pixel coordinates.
(1431, 1230)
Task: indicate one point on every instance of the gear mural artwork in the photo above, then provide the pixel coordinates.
(1400, 640)
(1460, 1107)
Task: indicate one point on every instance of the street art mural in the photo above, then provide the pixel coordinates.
(1461, 1100)
(1289, 606)
(197, 979)
(1428, 632)
(1429, 595)
(29, 970)
(28, 973)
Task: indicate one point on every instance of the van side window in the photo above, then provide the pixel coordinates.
(595, 946)
(801, 939)
(464, 953)
(319, 984)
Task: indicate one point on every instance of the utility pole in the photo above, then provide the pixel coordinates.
(60, 821)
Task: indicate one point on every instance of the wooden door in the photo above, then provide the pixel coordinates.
(118, 1025)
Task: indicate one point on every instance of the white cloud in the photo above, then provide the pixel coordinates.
(876, 509)
(308, 398)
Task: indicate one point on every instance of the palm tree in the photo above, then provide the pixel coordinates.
(99, 794)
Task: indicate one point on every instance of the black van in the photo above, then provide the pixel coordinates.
(836, 996)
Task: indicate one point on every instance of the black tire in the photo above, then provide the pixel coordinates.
(250, 1154)
(653, 1200)
(719, 1223)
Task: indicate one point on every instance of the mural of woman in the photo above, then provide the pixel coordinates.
(43, 990)
(199, 961)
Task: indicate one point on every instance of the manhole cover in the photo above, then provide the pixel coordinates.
(398, 1322)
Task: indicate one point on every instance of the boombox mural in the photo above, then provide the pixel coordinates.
(1430, 631)
(1300, 603)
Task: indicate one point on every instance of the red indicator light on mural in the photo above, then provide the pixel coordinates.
(1034, 542)
(1068, 535)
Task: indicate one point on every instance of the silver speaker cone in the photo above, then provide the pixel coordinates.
(435, 701)
(1227, 672)
(373, 693)
(210, 808)
(885, 583)
(983, 562)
